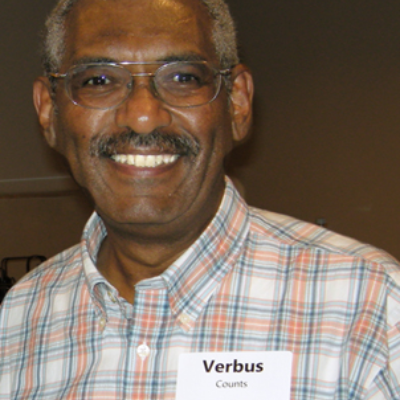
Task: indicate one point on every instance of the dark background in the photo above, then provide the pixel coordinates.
(325, 141)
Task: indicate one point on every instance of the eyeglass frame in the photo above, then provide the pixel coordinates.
(223, 73)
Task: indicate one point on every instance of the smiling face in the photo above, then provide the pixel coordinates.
(146, 165)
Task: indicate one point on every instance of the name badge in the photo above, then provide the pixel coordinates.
(234, 376)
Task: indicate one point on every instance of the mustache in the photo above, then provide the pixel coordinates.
(169, 142)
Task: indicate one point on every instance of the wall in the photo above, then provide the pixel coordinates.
(41, 210)
(325, 140)
(43, 225)
(326, 132)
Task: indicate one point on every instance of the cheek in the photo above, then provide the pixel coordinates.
(75, 126)
(221, 140)
(73, 143)
(210, 125)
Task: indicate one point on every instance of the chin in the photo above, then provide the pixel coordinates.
(139, 215)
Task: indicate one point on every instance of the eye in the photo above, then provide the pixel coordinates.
(183, 78)
(97, 81)
(95, 78)
(186, 78)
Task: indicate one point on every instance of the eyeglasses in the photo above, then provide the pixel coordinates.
(106, 86)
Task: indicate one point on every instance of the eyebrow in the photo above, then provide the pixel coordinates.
(184, 57)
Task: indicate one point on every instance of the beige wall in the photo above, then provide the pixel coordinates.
(326, 131)
(327, 126)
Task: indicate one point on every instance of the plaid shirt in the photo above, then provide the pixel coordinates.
(253, 281)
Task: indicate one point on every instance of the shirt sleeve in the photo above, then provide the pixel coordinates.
(386, 385)
(4, 362)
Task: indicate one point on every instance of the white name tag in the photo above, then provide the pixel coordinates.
(234, 376)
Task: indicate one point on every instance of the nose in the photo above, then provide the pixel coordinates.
(142, 111)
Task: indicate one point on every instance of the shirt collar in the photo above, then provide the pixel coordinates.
(92, 237)
(195, 276)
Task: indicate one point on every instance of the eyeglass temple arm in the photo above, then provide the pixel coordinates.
(225, 72)
(57, 75)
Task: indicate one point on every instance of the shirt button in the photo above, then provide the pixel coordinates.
(143, 351)
(185, 319)
(111, 297)
(102, 323)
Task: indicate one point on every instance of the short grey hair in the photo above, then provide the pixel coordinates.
(223, 34)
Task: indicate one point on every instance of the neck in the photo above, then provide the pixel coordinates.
(125, 258)
(125, 264)
(134, 252)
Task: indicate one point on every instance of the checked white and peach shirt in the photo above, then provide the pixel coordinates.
(253, 281)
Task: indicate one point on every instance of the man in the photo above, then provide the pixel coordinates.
(145, 98)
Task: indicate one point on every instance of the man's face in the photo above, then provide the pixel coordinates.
(184, 191)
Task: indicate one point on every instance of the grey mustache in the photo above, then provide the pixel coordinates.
(106, 146)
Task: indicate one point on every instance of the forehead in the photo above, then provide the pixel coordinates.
(138, 30)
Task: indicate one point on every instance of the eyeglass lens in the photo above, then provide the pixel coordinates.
(177, 84)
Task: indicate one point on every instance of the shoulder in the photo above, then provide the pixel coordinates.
(301, 236)
(64, 269)
(317, 257)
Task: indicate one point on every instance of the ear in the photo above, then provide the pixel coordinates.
(241, 99)
(43, 102)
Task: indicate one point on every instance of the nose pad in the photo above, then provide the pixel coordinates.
(142, 111)
(145, 84)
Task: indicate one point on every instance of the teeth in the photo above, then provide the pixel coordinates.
(140, 160)
(150, 161)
